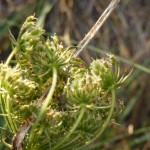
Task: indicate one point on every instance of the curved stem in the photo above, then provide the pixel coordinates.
(11, 56)
(3, 141)
(108, 118)
(45, 104)
(72, 129)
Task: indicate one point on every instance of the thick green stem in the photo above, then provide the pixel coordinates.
(45, 105)
(72, 129)
(49, 96)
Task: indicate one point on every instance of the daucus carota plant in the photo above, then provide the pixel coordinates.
(50, 100)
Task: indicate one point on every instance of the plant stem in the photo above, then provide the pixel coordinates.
(45, 104)
(96, 27)
(72, 129)
(3, 141)
(10, 56)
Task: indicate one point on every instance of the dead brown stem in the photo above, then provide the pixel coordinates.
(88, 37)
(19, 136)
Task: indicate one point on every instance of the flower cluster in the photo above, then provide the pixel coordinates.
(90, 85)
(19, 91)
(69, 102)
(37, 55)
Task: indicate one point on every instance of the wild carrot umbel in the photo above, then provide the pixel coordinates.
(47, 100)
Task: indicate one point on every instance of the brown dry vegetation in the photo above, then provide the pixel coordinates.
(126, 33)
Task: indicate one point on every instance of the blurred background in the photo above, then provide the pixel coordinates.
(126, 33)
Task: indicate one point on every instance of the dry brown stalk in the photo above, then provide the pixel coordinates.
(88, 37)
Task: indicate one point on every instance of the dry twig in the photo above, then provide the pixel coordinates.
(96, 27)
